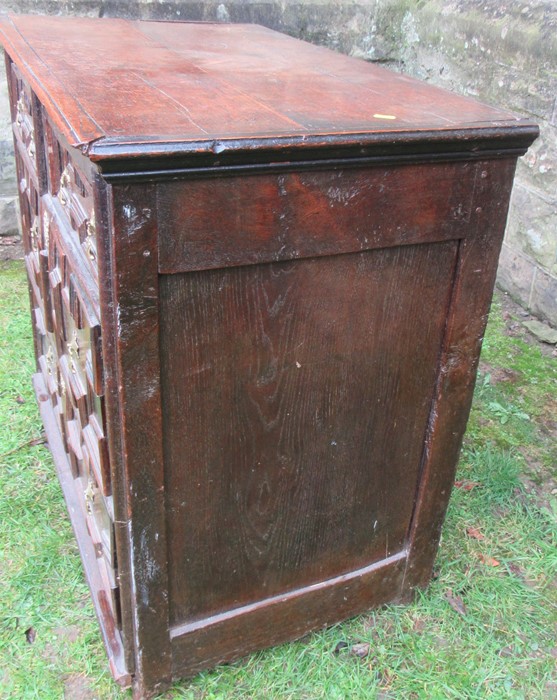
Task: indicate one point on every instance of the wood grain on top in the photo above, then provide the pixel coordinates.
(111, 82)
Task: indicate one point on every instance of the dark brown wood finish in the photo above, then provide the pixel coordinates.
(293, 415)
(466, 321)
(136, 89)
(226, 637)
(259, 274)
(89, 557)
(136, 299)
(28, 200)
(109, 339)
(69, 384)
(300, 215)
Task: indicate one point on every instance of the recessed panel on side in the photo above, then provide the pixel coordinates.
(211, 223)
(295, 400)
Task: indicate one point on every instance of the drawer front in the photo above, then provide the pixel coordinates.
(57, 204)
(24, 123)
(76, 205)
(227, 222)
(75, 322)
(27, 144)
(66, 316)
(74, 195)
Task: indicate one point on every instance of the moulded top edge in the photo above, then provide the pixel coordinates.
(478, 137)
(131, 89)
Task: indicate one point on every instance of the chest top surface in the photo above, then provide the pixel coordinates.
(118, 88)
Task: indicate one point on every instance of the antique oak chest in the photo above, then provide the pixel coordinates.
(259, 275)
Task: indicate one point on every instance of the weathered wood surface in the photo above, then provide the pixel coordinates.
(300, 215)
(293, 438)
(74, 502)
(465, 325)
(134, 88)
(136, 297)
(258, 307)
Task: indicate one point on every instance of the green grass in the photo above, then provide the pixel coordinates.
(503, 646)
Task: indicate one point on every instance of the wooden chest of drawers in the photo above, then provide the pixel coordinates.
(259, 277)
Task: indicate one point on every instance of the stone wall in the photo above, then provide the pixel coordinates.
(501, 52)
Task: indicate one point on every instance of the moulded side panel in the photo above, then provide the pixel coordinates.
(228, 221)
(229, 636)
(295, 401)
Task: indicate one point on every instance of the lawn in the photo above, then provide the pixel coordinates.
(485, 628)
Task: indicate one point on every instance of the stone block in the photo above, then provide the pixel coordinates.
(538, 168)
(507, 55)
(8, 217)
(543, 300)
(8, 182)
(541, 331)
(532, 225)
(515, 274)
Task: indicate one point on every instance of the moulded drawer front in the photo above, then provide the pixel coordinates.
(23, 124)
(224, 222)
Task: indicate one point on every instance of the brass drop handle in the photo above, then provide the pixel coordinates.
(73, 351)
(91, 251)
(89, 240)
(49, 361)
(20, 106)
(64, 183)
(89, 494)
(34, 234)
